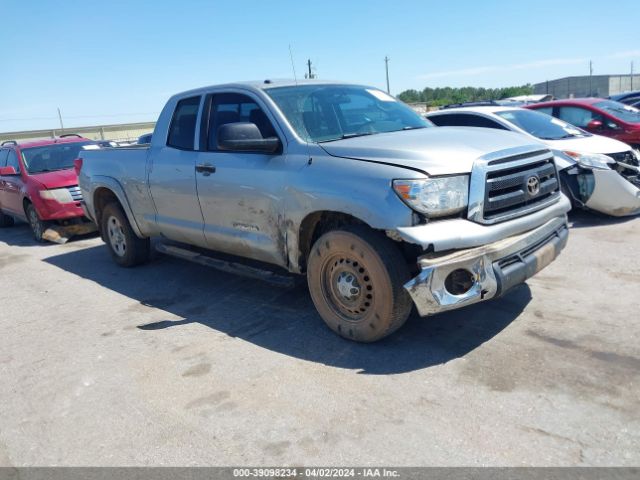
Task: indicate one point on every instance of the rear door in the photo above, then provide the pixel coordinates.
(241, 192)
(172, 177)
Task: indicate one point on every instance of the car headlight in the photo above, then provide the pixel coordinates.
(435, 197)
(591, 160)
(62, 195)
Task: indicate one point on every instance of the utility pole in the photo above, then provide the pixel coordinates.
(590, 78)
(60, 117)
(309, 74)
(631, 75)
(386, 67)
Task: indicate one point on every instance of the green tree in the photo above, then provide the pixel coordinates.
(446, 95)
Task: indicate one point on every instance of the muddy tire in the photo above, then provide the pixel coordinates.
(126, 248)
(356, 279)
(37, 225)
(6, 220)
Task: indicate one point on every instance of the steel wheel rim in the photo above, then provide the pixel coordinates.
(347, 286)
(116, 236)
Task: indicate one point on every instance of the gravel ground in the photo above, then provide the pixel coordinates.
(176, 364)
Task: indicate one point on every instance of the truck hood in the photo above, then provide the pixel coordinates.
(434, 151)
(591, 144)
(57, 179)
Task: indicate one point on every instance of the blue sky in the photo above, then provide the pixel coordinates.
(118, 61)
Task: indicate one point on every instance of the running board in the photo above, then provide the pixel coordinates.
(225, 266)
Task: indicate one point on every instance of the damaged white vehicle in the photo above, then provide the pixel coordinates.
(596, 172)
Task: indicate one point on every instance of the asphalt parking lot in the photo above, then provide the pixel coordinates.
(177, 364)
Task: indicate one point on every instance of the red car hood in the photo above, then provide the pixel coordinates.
(57, 179)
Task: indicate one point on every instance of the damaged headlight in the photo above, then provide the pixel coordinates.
(61, 195)
(435, 197)
(591, 160)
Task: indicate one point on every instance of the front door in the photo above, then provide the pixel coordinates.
(241, 193)
(12, 186)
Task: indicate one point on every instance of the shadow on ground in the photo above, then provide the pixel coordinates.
(285, 320)
(584, 219)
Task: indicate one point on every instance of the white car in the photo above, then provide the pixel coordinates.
(596, 172)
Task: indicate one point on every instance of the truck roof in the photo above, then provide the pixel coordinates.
(263, 85)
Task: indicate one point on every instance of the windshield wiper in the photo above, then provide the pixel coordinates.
(353, 135)
(413, 128)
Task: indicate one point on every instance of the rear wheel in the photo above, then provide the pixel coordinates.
(356, 279)
(126, 248)
(6, 220)
(37, 225)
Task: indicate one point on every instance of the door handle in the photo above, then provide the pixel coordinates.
(206, 169)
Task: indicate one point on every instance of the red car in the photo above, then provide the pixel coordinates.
(38, 183)
(597, 115)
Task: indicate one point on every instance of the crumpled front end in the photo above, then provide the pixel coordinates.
(465, 277)
(613, 191)
(614, 194)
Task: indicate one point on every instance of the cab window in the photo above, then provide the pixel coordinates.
(183, 124)
(232, 108)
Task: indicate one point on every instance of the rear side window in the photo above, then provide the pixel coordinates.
(3, 157)
(183, 124)
(12, 161)
(464, 120)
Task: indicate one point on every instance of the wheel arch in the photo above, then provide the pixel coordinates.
(314, 225)
(105, 193)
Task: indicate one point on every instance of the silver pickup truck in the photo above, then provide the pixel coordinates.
(342, 183)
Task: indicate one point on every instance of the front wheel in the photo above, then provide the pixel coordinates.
(126, 248)
(356, 279)
(37, 226)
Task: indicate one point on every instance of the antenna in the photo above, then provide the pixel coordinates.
(293, 67)
(386, 67)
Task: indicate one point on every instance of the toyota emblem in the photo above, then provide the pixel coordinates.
(533, 186)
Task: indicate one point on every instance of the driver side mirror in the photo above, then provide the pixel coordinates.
(245, 137)
(594, 125)
(8, 171)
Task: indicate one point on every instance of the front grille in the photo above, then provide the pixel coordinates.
(516, 190)
(75, 192)
(625, 157)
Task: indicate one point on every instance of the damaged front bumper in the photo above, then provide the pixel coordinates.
(464, 277)
(613, 194)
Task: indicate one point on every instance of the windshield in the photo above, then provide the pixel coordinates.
(541, 125)
(626, 113)
(322, 113)
(50, 158)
